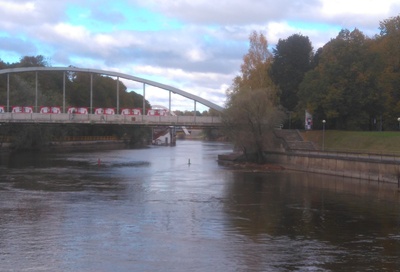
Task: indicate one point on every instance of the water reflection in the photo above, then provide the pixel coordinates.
(328, 222)
(149, 210)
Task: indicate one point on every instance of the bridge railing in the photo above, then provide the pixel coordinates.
(112, 119)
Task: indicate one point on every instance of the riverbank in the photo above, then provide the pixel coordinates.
(379, 168)
(252, 167)
(74, 145)
(235, 161)
(378, 142)
(361, 162)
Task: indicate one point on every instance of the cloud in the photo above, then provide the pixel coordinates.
(109, 16)
(16, 47)
(20, 15)
(232, 12)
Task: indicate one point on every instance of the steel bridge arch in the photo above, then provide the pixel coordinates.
(193, 97)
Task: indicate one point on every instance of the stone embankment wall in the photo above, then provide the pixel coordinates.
(379, 168)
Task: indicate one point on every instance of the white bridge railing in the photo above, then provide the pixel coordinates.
(109, 119)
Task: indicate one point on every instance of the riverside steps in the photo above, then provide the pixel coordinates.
(296, 154)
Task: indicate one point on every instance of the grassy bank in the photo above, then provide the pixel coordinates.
(360, 141)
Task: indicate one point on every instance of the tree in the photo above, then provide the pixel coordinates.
(250, 119)
(256, 63)
(390, 32)
(387, 47)
(79, 93)
(31, 61)
(342, 87)
(104, 91)
(252, 111)
(292, 59)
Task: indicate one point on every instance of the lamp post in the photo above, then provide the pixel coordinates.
(398, 120)
(323, 134)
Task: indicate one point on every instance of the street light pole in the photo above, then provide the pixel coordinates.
(398, 120)
(323, 134)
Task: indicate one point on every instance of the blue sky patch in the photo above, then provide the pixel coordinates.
(119, 16)
(313, 26)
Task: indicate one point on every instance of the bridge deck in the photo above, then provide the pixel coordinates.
(65, 118)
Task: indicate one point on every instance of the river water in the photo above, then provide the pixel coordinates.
(150, 210)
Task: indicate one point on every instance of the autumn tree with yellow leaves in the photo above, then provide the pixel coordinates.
(252, 110)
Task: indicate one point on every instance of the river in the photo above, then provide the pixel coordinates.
(151, 210)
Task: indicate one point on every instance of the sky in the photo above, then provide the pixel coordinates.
(193, 45)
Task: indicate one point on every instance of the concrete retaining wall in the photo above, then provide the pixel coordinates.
(361, 167)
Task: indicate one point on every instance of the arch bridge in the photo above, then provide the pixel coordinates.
(62, 115)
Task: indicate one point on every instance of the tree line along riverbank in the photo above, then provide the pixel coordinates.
(31, 137)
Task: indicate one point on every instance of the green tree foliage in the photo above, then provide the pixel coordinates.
(104, 92)
(50, 88)
(390, 36)
(22, 89)
(31, 61)
(355, 80)
(79, 93)
(342, 87)
(23, 85)
(31, 137)
(292, 59)
(388, 49)
(251, 111)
